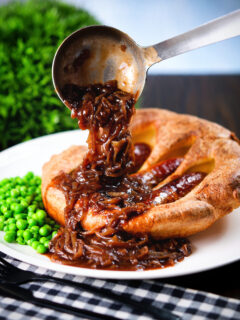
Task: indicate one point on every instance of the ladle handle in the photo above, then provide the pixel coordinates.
(222, 28)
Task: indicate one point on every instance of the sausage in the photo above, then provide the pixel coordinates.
(158, 172)
(176, 189)
(141, 153)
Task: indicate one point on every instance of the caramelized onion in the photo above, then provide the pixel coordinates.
(106, 182)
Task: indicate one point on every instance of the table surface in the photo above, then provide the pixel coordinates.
(215, 98)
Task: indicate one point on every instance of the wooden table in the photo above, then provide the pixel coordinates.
(215, 98)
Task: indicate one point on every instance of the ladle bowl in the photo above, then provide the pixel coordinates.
(97, 54)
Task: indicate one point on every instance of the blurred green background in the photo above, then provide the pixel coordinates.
(30, 33)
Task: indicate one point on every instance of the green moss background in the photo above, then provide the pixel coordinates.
(30, 33)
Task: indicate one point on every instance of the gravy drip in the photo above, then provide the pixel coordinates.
(105, 184)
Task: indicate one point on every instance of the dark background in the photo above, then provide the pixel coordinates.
(215, 98)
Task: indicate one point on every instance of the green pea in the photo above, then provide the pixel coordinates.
(41, 215)
(33, 239)
(14, 193)
(17, 180)
(41, 222)
(20, 233)
(20, 240)
(8, 187)
(34, 216)
(18, 208)
(4, 181)
(11, 220)
(42, 240)
(41, 249)
(6, 228)
(32, 208)
(31, 190)
(32, 222)
(9, 236)
(38, 191)
(23, 191)
(32, 182)
(29, 242)
(13, 206)
(45, 230)
(2, 219)
(12, 227)
(1, 226)
(38, 198)
(35, 229)
(46, 244)
(54, 233)
(24, 204)
(29, 175)
(27, 235)
(35, 244)
(4, 208)
(9, 201)
(38, 179)
(21, 224)
(21, 182)
(30, 214)
(35, 203)
(8, 214)
(28, 199)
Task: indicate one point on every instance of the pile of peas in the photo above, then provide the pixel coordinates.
(22, 214)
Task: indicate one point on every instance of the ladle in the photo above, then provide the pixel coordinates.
(97, 54)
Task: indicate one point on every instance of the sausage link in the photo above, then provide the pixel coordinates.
(141, 153)
(158, 172)
(177, 188)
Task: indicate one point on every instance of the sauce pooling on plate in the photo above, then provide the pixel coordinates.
(108, 182)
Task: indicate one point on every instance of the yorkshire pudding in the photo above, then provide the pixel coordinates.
(205, 147)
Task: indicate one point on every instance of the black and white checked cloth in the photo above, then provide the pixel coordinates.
(187, 303)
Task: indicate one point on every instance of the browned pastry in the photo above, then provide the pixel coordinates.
(205, 147)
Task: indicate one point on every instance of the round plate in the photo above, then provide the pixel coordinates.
(215, 247)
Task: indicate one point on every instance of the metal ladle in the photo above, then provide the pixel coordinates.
(97, 54)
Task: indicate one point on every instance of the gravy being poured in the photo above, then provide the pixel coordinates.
(107, 182)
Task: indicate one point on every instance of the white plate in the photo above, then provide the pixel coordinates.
(215, 247)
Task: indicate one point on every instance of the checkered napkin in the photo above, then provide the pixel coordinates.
(187, 303)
